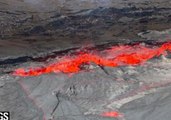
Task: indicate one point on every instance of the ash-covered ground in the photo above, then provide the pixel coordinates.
(137, 92)
(35, 33)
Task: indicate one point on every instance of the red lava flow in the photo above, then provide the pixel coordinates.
(113, 114)
(112, 57)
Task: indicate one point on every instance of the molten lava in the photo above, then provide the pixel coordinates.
(113, 57)
(113, 114)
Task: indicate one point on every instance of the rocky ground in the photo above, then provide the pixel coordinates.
(36, 31)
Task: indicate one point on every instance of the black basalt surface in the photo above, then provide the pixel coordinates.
(32, 33)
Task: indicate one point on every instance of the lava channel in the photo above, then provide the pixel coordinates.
(112, 57)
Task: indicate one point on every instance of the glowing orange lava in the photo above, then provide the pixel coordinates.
(113, 57)
(113, 114)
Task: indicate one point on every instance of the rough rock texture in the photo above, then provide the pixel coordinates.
(33, 31)
(31, 27)
(135, 91)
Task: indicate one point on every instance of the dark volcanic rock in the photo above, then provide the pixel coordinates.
(32, 31)
(28, 25)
